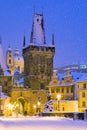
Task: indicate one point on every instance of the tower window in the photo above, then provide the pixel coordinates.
(9, 55)
(41, 86)
(10, 61)
(37, 20)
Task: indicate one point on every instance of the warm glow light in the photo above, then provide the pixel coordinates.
(38, 103)
(17, 105)
(58, 96)
(10, 106)
(34, 106)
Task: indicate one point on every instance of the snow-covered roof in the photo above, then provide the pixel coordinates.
(38, 36)
(16, 72)
(75, 75)
(3, 95)
(20, 81)
(6, 73)
(83, 78)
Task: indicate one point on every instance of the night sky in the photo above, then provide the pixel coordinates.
(67, 19)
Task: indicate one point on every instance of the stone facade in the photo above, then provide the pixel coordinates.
(28, 100)
(7, 83)
(38, 66)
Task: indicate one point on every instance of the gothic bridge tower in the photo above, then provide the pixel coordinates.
(38, 57)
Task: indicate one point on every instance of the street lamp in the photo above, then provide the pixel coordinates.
(58, 98)
(34, 108)
(38, 107)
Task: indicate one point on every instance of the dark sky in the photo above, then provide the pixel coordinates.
(67, 19)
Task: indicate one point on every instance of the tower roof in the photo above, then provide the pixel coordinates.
(38, 31)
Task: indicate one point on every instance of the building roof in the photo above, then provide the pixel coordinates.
(6, 73)
(82, 79)
(3, 95)
(75, 75)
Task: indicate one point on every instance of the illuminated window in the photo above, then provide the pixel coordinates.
(83, 94)
(63, 109)
(62, 90)
(57, 90)
(83, 104)
(71, 90)
(52, 90)
(84, 85)
(67, 90)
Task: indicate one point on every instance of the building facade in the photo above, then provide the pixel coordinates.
(82, 93)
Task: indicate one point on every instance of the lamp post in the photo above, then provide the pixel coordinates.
(38, 107)
(17, 108)
(34, 108)
(58, 98)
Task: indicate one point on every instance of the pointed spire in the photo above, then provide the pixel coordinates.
(24, 41)
(53, 39)
(31, 37)
(42, 10)
(34, 9)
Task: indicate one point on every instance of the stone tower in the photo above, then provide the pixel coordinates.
(38, 57)
(9, 58)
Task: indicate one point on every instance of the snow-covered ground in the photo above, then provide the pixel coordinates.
(41, 123)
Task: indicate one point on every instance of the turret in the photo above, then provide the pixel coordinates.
(9, 57)
(24, 41)
(53, 39)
